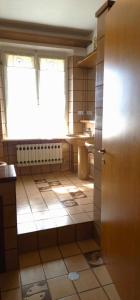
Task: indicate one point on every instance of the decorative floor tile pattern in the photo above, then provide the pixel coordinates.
(53, 200)
(45, 275)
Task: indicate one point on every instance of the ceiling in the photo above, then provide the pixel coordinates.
(78, 14)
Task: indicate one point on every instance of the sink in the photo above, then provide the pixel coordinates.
(90, 146)
(79, 139)
(82, 141)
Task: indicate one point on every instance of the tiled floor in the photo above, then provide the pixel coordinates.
(53, 200)
(68, 272)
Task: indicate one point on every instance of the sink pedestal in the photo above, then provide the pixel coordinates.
(83, 167)
(80, 140)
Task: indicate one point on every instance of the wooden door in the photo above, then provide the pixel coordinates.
(121, 140)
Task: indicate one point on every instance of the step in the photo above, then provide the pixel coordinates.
(55, 236)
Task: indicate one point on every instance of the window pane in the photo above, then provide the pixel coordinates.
(26, 118)
(21, 101)
(52, 97)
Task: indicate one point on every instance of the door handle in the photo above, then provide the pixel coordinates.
(102, 151)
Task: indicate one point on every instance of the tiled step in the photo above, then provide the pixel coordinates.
(55, 236)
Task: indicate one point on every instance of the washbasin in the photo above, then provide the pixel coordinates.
(90, 146)
(83, 141)
(79, 139)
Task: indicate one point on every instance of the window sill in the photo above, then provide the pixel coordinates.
(39, 140)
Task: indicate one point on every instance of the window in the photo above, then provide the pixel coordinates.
(35, 97)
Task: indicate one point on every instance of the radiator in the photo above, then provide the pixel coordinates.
(39, 154)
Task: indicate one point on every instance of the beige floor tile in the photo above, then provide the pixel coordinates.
(46, 207)
(112, 292)
(91, 215)
(29, 259)
(63, 221)
(79, 218)
(76, 263)
(61, 287)
(55, 268)
(69, 249)
(32, 274)
(12, 295)
(75, 210)
(96, 294)
(24, 218)
(87, 207)
(88, 245)
(26, 227)
(73, 297)
(49, 254)
(9, 280)
(102, 275)
(84, 201)
(45, 224)
(87, 281)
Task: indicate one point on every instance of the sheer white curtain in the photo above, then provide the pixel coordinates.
(35, 105)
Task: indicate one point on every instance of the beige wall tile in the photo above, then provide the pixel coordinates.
(13, 294)
(29, 259)
(10, 237)
(66, 235)
(88, 246)
(69, 249)
(9, 216)
(27, 242)
(50, 253)
(11, 259)
(9, 280)
(8, 193)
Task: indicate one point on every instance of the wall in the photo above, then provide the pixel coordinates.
(81, 89)
(81, 97)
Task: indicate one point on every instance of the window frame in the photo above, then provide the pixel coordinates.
(37, 54)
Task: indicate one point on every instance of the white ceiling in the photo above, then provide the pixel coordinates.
(68, 13)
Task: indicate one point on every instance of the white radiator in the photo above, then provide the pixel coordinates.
(39, 154)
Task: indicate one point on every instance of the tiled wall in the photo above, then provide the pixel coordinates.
(81, 97)
(10, 158)
(8, 198)
(81, 90)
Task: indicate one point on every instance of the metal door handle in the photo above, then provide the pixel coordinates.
(102, 151)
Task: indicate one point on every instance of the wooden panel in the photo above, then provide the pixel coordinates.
(121, 139)
(89, 61)
(41, 37)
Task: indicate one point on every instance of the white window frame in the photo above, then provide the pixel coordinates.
(37, 54)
